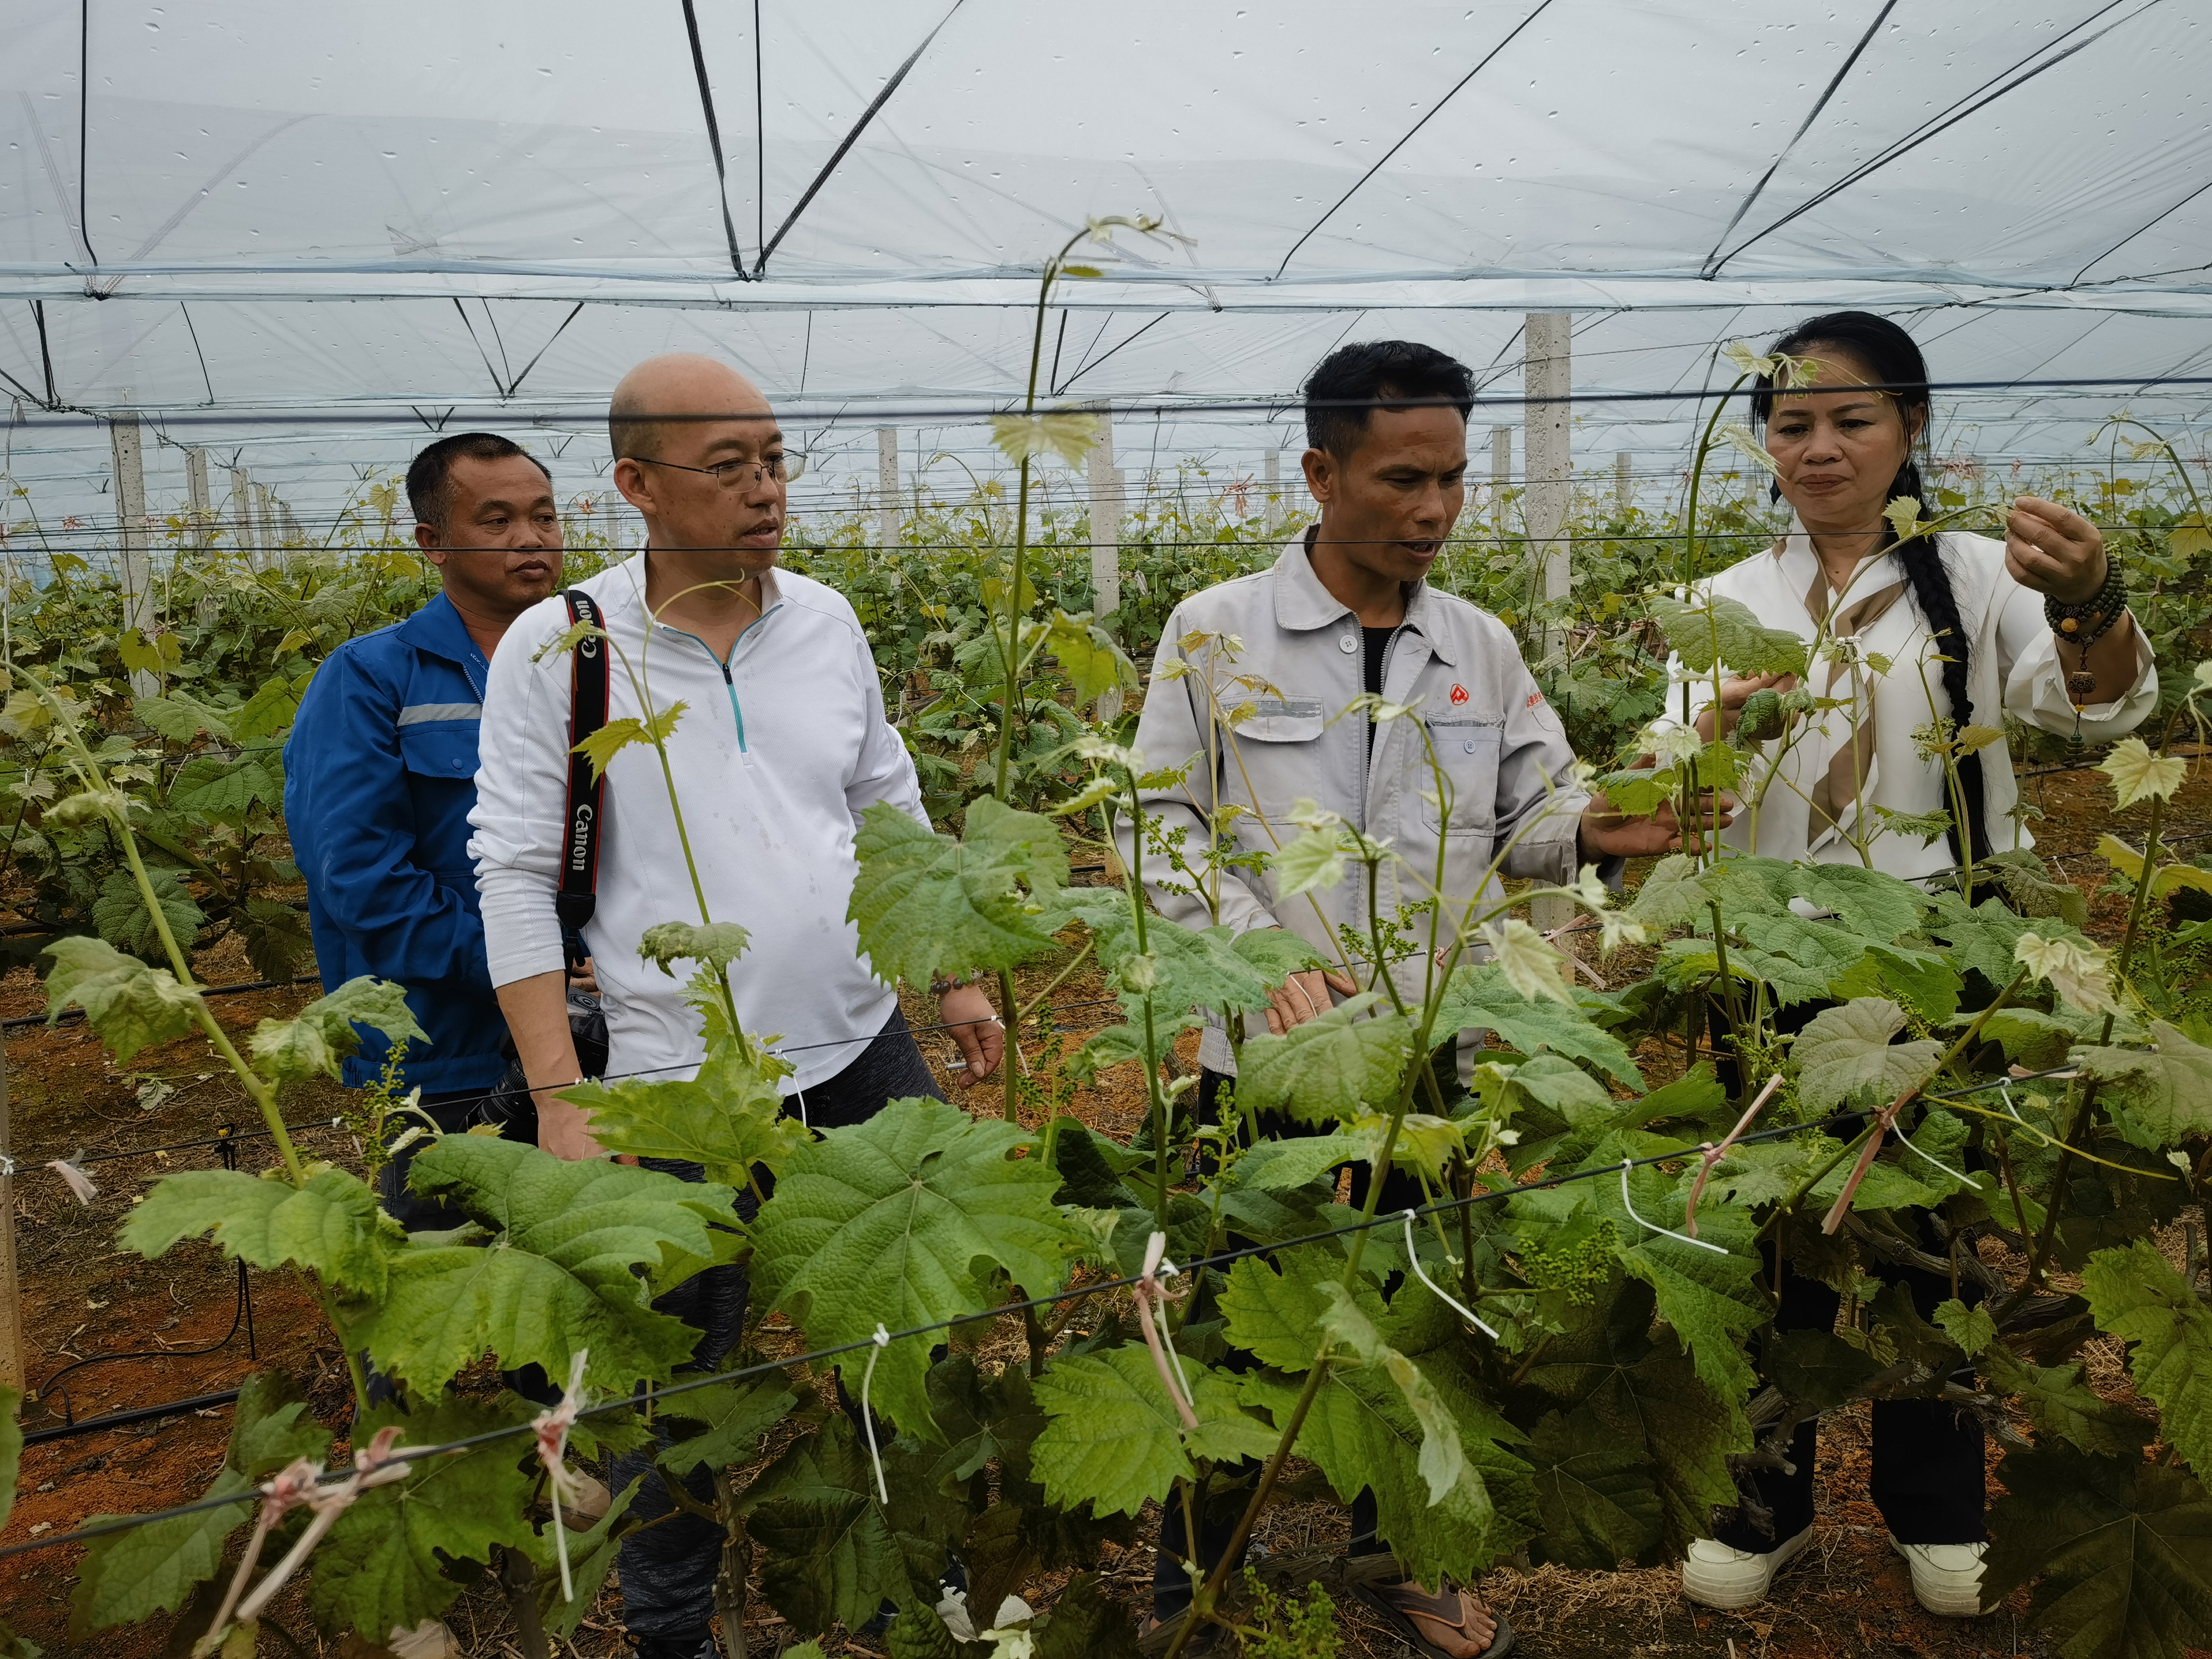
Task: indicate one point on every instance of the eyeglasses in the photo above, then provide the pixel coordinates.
(740, 475)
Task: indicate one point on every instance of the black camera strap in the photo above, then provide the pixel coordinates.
(578, 897)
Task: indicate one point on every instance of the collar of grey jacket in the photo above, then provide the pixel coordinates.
(1302, 604)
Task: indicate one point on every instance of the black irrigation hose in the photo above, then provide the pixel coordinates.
(628, 1402)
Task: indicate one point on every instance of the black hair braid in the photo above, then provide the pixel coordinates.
(1922, 562)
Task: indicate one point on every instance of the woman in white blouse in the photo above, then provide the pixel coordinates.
(1954, 627)
(1971, 629)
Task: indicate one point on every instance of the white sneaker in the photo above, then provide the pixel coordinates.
(1715, 1576)
(1946, 1577)
(428, 1640)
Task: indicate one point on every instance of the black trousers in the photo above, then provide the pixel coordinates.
(668, 1571)
(1927, 1478)
(1229, 1488)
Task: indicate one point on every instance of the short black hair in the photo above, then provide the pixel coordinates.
(431, 472)
(1353, 380)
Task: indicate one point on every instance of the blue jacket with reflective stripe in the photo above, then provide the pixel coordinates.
(379, 777)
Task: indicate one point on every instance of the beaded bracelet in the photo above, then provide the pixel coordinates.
(940, 983)
(2082, 625)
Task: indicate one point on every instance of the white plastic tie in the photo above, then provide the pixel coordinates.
(73, 1177)
(1629, 1204)
(7, 1167)
(1438, 1290)
(882, 1340)
(551, 1428)
(1150, 1298)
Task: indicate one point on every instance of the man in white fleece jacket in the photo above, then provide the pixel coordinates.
(781, 745)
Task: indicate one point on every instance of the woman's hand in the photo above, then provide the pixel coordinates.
(1736, 693)
(975, 1025)
(2054, 552)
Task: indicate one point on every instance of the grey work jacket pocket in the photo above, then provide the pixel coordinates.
(1467, 753)
(1280, 719)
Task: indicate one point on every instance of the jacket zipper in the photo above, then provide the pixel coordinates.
(729, 681)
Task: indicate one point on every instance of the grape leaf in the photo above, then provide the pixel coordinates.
(926, 903)
(131, 1006)
(1872, 902)
(1848, 1048)
(558, 1275)
(1713, 1300)
(1981, 937)
(1726, 631)
(1088, 655)
(1277, 952)
(727, 1118)
(2063, 1407)
(1086, 1623)
(1595, 1503)
(1442, 1462)
(716, 944)
(1113, 1435)
(1479, 997)
(1202, 967)
(381, 1568)
(1331, 1067)
(2119, 1550)
(1673, 895)
(331, 1226)
(1282, 1166)
(227, 790)
(2135, 1295)
(181, 719)
(1970, 1328)
(130, 1576)
(327, 1029)
(1923, 979)
(1818, 1368)
(2167, 1090)
(833, 1553)
(1799, 959)
(1646, 1394)
(119, 913)
(897, 1221)
(601, 745)
(733, 1416)
(1275, 1315)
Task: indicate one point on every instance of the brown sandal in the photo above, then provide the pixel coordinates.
(1401, 1604)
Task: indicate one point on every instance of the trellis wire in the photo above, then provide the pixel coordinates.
(628, 1401)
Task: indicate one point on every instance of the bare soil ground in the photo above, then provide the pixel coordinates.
(84, 1299)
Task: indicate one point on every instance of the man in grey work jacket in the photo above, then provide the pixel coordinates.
(1279, 655)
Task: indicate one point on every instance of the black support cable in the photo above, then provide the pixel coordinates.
(1709, 264)
(713, 139)
(845, 145)
(1436, 108)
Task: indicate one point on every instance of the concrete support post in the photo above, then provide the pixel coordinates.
(203, 521)
(1623, 490)
(1501, 474)
(241, 516)
(1545, 499)
(887, 488)
(1104, 482)
(134, 571)
(11, 1308)
(1272, 475)
(267, 551)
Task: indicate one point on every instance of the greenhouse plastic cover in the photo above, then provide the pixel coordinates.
(288, 228)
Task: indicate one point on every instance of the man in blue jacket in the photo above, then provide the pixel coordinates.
(379, 777)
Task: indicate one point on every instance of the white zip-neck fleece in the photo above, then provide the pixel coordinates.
(775, 755)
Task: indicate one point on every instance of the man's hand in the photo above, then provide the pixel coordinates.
(1305, 996)
(975, 1028)
(581, 978)
(1605, 833)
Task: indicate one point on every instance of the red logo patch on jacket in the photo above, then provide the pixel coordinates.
(1458, 695)
(1535, 697)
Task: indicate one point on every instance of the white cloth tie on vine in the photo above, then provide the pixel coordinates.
(1152, 1299)
(73, 1175)
(377, 1464)
(882, 1340)
(1629, 1204)
(1458, 1307)
(551, 1427)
